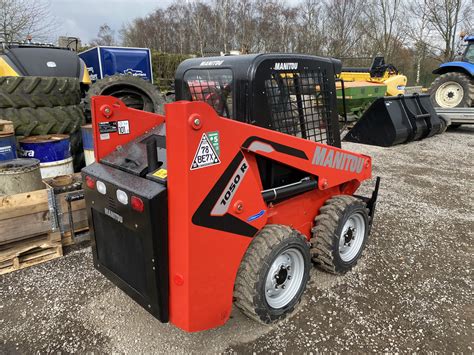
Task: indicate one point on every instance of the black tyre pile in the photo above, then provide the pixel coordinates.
(50, 105)
(44, 105)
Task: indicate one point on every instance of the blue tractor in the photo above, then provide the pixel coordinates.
(454, 87)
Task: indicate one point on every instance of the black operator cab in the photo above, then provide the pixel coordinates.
(289, 93)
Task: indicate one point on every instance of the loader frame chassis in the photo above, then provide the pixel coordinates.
(206, 241)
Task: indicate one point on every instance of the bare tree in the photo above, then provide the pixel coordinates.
(384, 27)
(468, 18)
(225, 12)
(343, 18)
(245, 29)
(20, 19)
(310, 32)
(180, 22)
(445, 16)
(419, 32)
(105, 36)
(409, 33)
(199, 14)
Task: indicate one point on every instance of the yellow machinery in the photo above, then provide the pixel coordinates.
(379, 73)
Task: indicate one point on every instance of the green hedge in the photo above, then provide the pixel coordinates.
(164, 67)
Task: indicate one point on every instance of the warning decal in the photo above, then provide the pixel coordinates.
(205, 155)
(123, 127)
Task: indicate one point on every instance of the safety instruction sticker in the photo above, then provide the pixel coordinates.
(206, 154)
(107, 127)
(162, 173)
(214, 139)
(123, 127)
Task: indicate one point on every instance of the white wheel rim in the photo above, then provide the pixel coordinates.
(352, 237)
(449, 94)
(284, 278)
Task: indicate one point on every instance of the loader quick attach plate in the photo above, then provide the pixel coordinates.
(129, 247)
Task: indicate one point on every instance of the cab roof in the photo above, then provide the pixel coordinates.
(242, 64)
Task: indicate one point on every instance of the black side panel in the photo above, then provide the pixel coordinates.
(121, 251)
(45, 61)
(131, 248)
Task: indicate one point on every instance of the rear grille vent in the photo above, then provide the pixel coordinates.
(112, 203)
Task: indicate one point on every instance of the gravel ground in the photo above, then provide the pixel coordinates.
(412, 290)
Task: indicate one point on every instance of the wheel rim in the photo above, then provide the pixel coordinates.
(449, 94)
(352, 237)
(284, 278)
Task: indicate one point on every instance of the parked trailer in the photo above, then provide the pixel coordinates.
(456, 116)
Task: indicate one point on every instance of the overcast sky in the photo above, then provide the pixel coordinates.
(82, 18)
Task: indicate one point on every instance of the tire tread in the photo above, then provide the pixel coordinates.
(246, 290)
(324, 232)
(38, 91)
(462, 79)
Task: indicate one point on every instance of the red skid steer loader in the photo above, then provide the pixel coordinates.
(230, 199)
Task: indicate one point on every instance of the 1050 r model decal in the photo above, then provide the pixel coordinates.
(212, 213)
(222, 205)
(226, 222)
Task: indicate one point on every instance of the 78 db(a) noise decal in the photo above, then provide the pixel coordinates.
(206, 154)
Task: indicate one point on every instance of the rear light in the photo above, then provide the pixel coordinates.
(101, 188)
(90, 182)
(137, 204)
(122, 197)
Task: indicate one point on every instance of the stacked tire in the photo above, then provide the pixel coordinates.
(44, 105)
(134, 92)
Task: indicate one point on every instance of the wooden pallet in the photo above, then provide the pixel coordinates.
(82, 232)
(29, 252)
(23, 216)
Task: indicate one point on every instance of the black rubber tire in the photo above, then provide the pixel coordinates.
(249, 290)
(38, 91)
(133, 91)
(328, 229)
(460, 78)
(45, 120)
